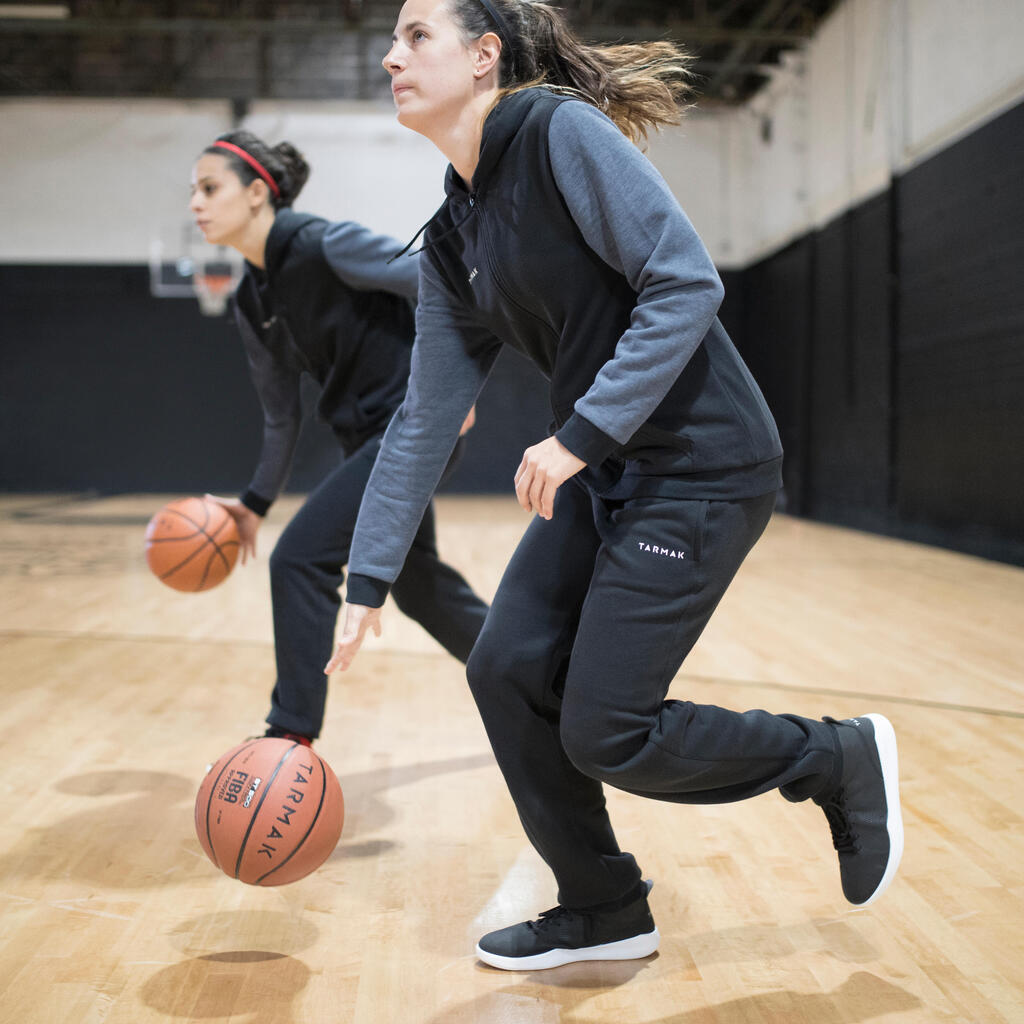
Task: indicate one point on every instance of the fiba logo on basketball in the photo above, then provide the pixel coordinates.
(234, 783)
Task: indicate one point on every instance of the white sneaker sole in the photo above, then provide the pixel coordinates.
(625, 949)
(885, 740)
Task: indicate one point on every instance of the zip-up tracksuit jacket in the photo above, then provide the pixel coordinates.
(569, 246)
(329, 305)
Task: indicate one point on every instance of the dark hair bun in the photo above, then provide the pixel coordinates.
(283, 162)
(296, 171)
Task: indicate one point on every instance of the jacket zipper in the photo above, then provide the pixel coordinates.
(492, 267)
(503, 289)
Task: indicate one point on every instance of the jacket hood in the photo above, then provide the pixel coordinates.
(500, 127)
(287, 224)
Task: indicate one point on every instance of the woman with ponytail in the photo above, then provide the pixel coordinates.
(319, 298)
(560, 239)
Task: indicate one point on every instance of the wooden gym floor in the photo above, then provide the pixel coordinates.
(116, 693)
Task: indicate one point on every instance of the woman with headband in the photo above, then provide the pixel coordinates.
(560, 239)
(319, 298)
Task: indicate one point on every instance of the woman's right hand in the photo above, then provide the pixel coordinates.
(358, 619)
(247, 521)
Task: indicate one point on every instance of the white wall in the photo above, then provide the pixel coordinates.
(366, 166)
(884, 83)
(964, 63)
(690, 159)
(93, 181)
(83, 181)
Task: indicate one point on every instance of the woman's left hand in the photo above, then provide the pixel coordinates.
(545, 467)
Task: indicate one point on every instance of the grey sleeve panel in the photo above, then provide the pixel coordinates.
(360, 258)
(451, 359)
(629, 217)
(280, 397)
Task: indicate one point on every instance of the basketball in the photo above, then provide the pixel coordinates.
(269, 812)
(191, 544)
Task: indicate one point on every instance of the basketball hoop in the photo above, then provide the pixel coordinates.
(212, 291)
(183, 265)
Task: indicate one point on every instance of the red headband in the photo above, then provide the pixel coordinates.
(253, 163)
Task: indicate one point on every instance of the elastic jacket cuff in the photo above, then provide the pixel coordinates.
(255, 503)
(586, 441)
(366, 590)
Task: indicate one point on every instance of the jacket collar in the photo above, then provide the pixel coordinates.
(500, 128)
(287, 223)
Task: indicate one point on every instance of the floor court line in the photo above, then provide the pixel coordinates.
(868, 698)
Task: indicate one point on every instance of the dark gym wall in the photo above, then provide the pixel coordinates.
(105, 388)
(889, 343)
(775, 316)
(960, 317)
(904, 415)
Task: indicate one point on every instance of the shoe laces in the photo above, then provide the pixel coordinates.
(550, 918)
(843, 838)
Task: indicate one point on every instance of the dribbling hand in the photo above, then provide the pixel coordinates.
(358, 619)
(247, 521)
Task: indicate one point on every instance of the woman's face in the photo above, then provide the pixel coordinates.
(432, 70)
(222, 206)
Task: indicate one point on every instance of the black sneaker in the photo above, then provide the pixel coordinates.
(274, 732)
(564, 936)
(863, 811)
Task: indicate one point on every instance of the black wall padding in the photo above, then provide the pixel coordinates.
(850, 417)
(906, 413)
(960, 451)
(773, 334)
(105, 388)
(513, 413)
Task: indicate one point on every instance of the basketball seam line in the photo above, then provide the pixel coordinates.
(188, 519)
(209, 800)
(312, 824)
(255, 814)
(194, 554)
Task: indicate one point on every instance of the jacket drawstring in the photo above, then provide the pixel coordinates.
(444, 234)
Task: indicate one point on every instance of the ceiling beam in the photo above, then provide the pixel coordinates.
(685, 31)
(740, 48)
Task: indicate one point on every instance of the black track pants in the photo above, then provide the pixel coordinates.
(306, 571)
(594, 615)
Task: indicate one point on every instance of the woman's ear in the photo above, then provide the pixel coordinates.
(257, 193)
(488, 53)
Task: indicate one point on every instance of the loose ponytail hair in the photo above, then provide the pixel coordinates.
(640, 86)
(285, 165)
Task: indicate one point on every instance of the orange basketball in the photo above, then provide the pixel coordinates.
(269, 812)
(191, 544)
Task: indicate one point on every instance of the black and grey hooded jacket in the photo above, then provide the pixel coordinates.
(328, 304)
(569, 246)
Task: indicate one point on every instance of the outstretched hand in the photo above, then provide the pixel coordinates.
(358, 619)
(545, 467)
(247, 521)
